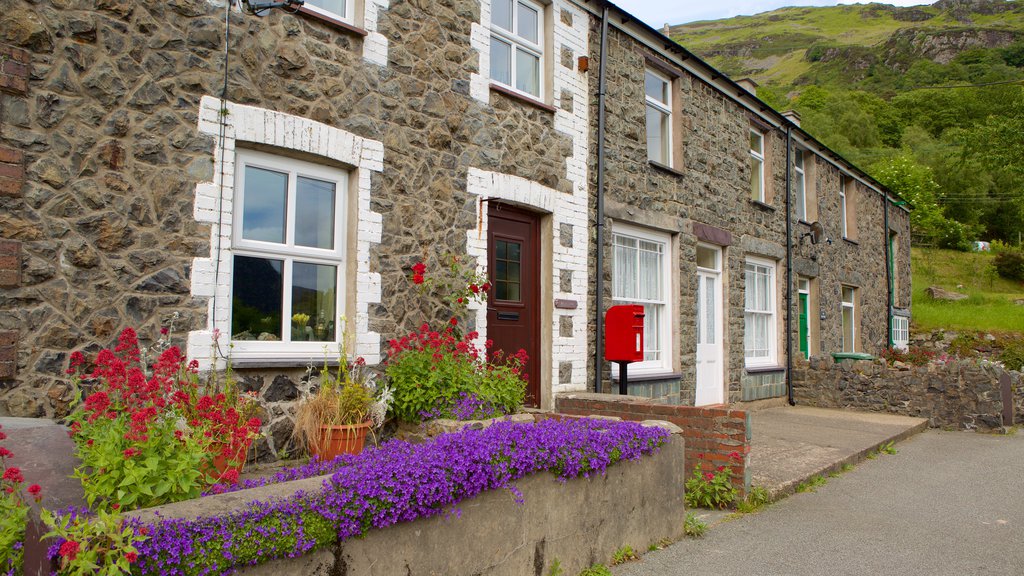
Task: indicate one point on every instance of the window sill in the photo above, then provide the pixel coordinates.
(339, 25)
(663, 168)
(764, 369)
(763, 206)
(647, 377)
(522, 97)
(852, 241)
(264, 362)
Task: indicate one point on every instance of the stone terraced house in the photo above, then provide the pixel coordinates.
(191, 164)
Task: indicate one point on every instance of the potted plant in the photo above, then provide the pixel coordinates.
(337, 417)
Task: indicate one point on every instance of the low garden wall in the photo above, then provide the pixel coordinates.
(537, 523)
(965, 395)
(713, 435)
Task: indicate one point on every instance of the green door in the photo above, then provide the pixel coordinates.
(804, 327)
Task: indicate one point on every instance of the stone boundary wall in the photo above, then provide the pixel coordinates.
(964, 395)
(711, 433)
(578, 523)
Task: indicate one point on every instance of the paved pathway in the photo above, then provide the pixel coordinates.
(949, 503)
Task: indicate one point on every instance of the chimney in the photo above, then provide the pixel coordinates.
(748, 84)
(793, 116)
(666, 30)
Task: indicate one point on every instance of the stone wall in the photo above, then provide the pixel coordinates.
(712, 434)
(960, 394)
(577, 523)
(708, 187)
(108, 170)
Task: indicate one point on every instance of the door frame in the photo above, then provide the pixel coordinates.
(803, 290)
(545, 308)
(719, 274)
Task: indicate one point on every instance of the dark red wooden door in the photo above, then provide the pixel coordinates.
(513, 305)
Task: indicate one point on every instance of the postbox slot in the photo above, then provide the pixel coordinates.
(508, 315)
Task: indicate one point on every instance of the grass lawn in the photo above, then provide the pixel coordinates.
(990, 304)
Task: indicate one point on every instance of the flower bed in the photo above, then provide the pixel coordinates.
(395, 483)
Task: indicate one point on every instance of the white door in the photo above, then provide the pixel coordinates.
(710, 368)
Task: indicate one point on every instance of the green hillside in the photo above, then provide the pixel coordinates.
(928, 99)
(991, 303)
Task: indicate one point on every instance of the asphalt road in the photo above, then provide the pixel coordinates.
(949, 503)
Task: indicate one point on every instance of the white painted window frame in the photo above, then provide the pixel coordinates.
(801, 179)
(850, 305)
(844, 181)
(517, 42)
(761, 266)
(804, 287)
(758, 155)
(901, 333)
(664, 364)
(288, 252)
(663, 107)
(348, 17)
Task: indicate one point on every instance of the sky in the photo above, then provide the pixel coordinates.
(656, 13)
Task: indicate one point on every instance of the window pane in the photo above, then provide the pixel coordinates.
(314, 297)
(256, 302)
(265, 197)
(847, 295)
(656, 87)
(657, 135)
(501, 14)
(709, 310)
(798, 159)
(335, 6)
(507, 263)
(707, 257)
(314, 213)
(501, 61)
(652, 332)
(755, 179)
(625, 269)
(848, 329)
(650, 273)
(528, 20)
(527, 72)
(756, 142)
(801, 205)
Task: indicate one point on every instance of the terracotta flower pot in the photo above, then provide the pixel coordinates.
(222, 463)
(340, 439)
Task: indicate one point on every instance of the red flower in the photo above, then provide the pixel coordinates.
(419, 268)
(5, 453)
(13, 474)
(230, 476)
(164, 331)
(69, 549)
(3, 436)
(131, 557)
(453, 321)
(474, 288)
(417, 278)
(709, 476)
(130, 452)
(735, 455)
(115, 506)
(486, 286)
(35, 490)
(720, 468)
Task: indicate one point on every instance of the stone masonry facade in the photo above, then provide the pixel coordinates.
(122, 125)
(704, 198)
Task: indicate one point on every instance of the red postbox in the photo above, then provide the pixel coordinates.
(624, 338)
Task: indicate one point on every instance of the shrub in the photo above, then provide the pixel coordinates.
(711, 489)
(100, 545)
(914, 355)
(431, 371)
(1009, 264)
(694, 527)
(1012, 356)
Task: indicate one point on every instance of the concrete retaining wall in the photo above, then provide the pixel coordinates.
(712, 434)
(578, 523)
(965, 395)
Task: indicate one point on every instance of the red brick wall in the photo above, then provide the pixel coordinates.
(15, 65)
(711, 433)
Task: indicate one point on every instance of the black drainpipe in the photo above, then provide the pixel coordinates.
(789, 267)
(599, 296)
(888, 268)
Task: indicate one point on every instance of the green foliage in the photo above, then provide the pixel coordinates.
(710, 489)
(103, 545)
(812, 484)
(755, 500)
(990, 305)
(1012, 356)
(1009, 264)
(623, 555)
(556, 568)
(596, 570)
(888, 448)
(694, 527)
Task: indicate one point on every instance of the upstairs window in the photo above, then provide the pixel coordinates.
(659, 118)
(288, 254)
(799, 185)
(337, 9)
(757, 166)
(517, 45)
(843, 214)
